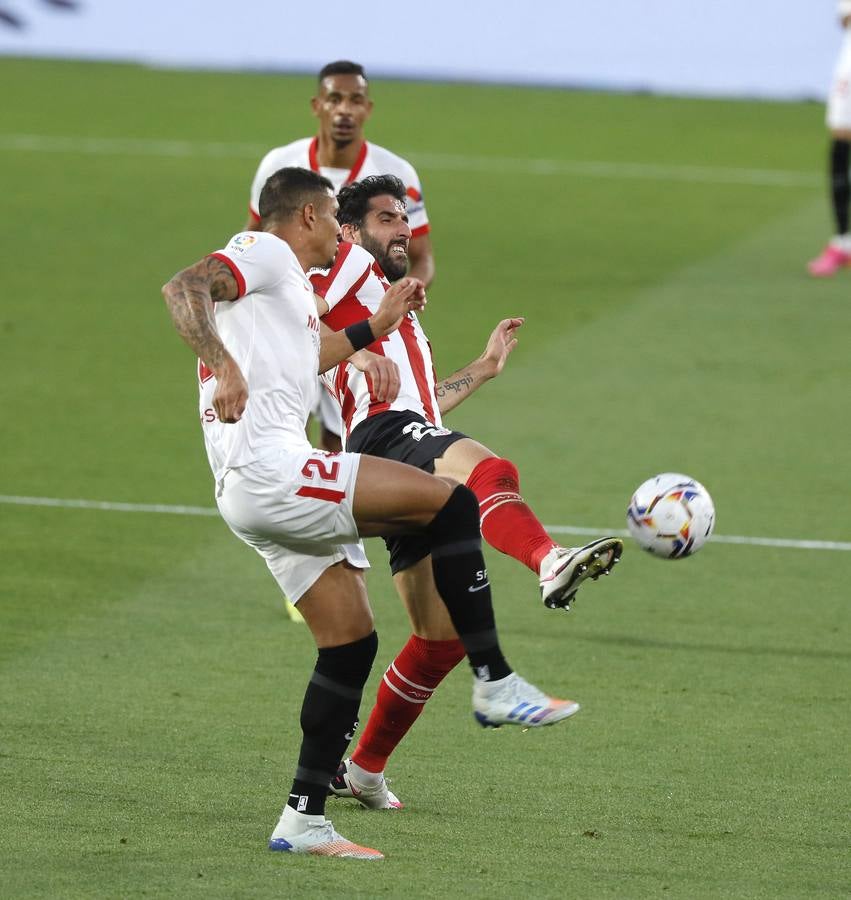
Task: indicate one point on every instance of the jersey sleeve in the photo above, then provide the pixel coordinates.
(256, 259)
(417, 215)
(350, 270)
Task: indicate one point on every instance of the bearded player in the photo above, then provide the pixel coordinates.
(374, 252)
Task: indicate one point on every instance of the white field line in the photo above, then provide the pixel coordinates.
(42, 143)
(553, 529)
(110, 506)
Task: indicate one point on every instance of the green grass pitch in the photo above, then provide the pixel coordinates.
(149, 683)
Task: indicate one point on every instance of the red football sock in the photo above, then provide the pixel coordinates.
(405, 689)
(508, 524)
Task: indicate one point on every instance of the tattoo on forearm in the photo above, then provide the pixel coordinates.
(190, 296)
(456, 386)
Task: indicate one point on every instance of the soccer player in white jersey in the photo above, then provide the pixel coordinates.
(250, 314)
(341, 153)
(409, 429)
(837, 254)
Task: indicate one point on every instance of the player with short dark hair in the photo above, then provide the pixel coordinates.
(341, 67)
(250, 314)
(409, 429)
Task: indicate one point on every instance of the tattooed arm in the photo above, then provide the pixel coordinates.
(458, 387)
(190, 296)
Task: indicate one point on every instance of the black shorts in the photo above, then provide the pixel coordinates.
(408, 438)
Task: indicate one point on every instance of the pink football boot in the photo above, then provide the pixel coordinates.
(829, 262)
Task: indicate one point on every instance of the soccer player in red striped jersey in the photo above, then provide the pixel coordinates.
(409, 429)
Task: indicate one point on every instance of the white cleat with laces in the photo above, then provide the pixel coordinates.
(564, 569)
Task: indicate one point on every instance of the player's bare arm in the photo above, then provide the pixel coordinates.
(458, 386)
(406, 295)
(421, 259)
(190, 296)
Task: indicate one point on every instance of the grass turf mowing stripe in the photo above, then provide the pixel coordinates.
(110, 506)
(437, 161)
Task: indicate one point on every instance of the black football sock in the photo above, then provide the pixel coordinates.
(840, 188)
(329, 716)
(462, 581)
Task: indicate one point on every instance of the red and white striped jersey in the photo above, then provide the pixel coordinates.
(372, 160)
(353, 289)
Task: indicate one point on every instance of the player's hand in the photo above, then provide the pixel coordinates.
(231, 394)
(404, 296)
(500, 344)
(381, 373)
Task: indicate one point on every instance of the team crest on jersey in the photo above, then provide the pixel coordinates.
(242, 242)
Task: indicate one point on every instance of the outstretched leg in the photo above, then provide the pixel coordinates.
(409, 500)
(509, 525)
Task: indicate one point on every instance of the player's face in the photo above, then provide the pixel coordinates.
(385, 233)
(342, 107)
(327, 232)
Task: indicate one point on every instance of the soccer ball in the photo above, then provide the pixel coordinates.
(671, 515)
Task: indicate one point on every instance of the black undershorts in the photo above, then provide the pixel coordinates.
(405, 437)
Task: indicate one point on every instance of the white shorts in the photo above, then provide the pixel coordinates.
(839, 99)
(295, 509)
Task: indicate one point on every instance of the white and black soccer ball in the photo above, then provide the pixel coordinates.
(671, 515)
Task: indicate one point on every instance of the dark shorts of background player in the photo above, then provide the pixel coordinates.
(384, 435)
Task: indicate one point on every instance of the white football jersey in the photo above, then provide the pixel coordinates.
(372, 160)
(353, 289)
(272, 331)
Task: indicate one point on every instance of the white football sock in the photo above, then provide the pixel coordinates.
(292, 823)
(364, 778)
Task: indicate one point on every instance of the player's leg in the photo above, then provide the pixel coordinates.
(509, 524)
(337, 612)
(840, 189)
(409, 682)
(837, 253)
(392, 498)
(295, 509)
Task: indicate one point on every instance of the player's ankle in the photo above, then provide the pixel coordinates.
(364, 777)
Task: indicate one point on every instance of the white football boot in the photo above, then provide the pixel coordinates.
(513, 701)
(299, 833)
(564, 569)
